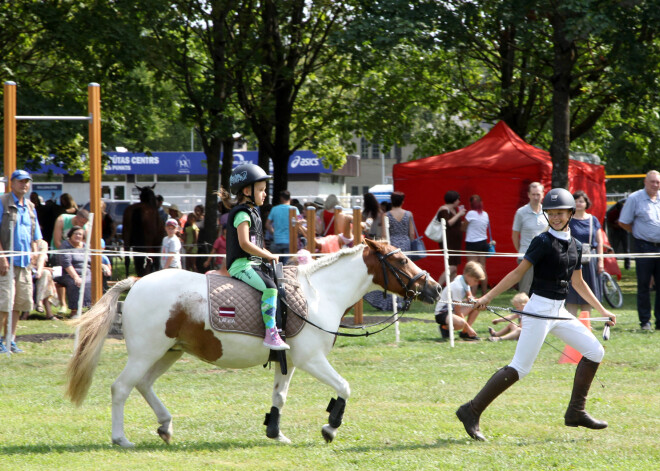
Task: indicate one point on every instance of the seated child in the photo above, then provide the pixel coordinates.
(460, 292)
(511, 331)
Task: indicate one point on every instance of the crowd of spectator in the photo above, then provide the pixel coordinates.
(64, 226)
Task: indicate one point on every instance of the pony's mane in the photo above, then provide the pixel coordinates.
(328, 260)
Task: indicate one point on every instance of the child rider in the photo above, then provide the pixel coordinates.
(245, 244)
(556, 258)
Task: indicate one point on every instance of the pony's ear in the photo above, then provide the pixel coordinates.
(373, 245)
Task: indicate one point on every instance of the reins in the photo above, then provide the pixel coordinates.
(407, 300)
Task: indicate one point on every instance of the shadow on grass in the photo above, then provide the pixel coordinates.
(156, 445)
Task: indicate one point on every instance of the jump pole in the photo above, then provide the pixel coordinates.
(94, 119)
(293, 231)
(310, 215)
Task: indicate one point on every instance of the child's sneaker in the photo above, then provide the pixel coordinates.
(15, 349)
(274, 341)
(3, 349)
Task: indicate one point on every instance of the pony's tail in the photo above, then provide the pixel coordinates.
(94, 327)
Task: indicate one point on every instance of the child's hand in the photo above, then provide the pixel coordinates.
(497, 321)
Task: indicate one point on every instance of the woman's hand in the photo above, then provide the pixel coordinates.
(601, 266)
(78, 281)
(612, 317)
(482, 302)
(206, 263)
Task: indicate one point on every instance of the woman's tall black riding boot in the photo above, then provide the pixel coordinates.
(575, 415)
(470, 412)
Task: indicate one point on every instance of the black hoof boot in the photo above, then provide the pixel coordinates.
(272, 423)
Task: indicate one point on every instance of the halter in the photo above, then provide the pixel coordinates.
(408, 287)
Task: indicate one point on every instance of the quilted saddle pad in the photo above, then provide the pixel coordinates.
(235, 306)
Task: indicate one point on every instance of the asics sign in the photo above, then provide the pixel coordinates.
(306, 161)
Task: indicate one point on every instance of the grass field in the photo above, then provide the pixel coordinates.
(400, 415)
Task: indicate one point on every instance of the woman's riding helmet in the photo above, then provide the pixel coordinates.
(244, 175)
(559, 198)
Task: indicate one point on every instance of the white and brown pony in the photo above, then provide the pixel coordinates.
(166, 314)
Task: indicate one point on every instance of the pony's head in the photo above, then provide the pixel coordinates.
(395, 272)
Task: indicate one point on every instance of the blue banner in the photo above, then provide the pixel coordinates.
(189, 163)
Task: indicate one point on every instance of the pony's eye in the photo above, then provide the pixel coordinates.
(403, 261)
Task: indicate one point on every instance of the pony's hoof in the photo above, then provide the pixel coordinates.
(122, 442)
(282, 439)
(329, 433)
(165, 432)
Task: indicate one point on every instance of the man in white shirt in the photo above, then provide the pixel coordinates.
(641, 216)
(527, 224)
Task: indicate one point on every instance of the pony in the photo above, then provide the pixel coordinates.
(166, 314)
(143, 230)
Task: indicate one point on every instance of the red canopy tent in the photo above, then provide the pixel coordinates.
(499, 167)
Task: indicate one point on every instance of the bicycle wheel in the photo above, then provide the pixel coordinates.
(611, 290)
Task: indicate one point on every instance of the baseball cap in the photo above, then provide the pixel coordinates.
(172, 222)
(20, 175)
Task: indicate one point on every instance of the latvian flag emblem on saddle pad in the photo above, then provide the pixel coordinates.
(227, 313)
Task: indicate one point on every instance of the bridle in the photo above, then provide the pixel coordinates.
(410, 292)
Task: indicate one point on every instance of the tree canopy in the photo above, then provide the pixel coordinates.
(579, 75)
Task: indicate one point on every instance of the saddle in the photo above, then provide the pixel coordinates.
(235, 306)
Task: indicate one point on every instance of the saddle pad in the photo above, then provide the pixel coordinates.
(235, 306)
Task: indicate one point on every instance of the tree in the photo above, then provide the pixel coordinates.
(53, 50)
(282, 67)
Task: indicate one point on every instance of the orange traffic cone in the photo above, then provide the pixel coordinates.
(571, 355)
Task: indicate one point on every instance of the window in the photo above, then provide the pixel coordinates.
(365, 189)
(355, 190)
(375, 151)
(364, 148)
(397, 153)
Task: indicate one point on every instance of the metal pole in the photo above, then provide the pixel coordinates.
(95, 172)
(9, 130)
(358, 308)
(386, 233)
(450, 306)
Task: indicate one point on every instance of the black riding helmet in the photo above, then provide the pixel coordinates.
(559, 198)
(244, 175)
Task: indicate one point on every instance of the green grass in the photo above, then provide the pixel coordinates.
(400, 415)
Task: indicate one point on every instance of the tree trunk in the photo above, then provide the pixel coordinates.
(212, 151)
(564, 59)
(227, 162)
